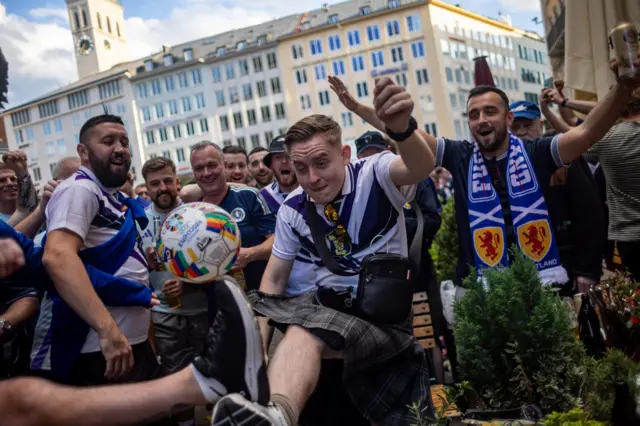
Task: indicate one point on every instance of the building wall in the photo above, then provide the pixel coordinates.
(533, 66)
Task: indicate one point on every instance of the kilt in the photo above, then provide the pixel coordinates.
(385, 369)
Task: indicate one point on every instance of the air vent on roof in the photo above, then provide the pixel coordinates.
(325, 7)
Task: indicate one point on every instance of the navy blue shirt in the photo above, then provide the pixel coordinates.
(256, 223)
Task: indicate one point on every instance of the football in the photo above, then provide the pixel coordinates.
(199, 242)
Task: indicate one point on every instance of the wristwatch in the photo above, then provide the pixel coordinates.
(5, 326)
(401, 137)
(564, 102)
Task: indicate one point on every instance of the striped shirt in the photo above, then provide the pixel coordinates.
(619, 156)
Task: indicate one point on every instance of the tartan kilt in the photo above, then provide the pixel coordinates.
(385, 369)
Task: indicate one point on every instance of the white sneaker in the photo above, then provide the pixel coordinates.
(235, 410)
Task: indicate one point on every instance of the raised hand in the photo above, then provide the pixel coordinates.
(393, 105)
(47, 192)
(16, 161)
(631, 81)
(545, 97)
(343, 93)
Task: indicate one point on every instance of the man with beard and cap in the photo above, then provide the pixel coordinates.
(235, 164)
(260, 171)
(180, 329)
(571, 193)
(89, 222)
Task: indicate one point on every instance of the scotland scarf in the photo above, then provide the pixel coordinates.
(529, 212)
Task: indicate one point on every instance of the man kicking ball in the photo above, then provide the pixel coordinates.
(231, 363)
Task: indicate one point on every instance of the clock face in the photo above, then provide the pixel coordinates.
(84, 45)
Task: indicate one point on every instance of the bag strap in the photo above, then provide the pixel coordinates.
(315, 225)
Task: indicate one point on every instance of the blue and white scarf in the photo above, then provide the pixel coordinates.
(531, 221)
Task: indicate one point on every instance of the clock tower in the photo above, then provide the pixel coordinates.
(99, 41)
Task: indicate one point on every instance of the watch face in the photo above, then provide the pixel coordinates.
(84, 45)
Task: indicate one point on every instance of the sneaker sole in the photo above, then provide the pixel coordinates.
(255, 373)
(229, 412)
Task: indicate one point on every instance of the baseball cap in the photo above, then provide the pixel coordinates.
(369, 139)
(525, 109)
(276, 146)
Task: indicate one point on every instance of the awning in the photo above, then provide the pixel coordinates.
(587, 52)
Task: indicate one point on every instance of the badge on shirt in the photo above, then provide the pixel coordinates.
(238, 214)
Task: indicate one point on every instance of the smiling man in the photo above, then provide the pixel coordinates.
(235, 164)
(258, 169)
(84, 212)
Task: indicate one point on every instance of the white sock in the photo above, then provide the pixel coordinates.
(211, 389)
(191, 422)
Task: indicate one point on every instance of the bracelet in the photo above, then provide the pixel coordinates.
(564, 102)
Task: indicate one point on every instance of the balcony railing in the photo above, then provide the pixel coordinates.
(555, 38)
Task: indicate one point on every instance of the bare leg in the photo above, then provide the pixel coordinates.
(28, 401)
(295, 368)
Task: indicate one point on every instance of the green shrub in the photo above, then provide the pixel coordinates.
(444, 249)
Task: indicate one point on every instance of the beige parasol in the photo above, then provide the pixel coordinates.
(587, 52)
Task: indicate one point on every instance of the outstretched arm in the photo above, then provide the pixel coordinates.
(560, 125)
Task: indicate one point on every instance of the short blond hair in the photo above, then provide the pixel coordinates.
(310, 126)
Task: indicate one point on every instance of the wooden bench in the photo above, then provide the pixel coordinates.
(422, 325)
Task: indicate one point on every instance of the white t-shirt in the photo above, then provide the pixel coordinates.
(370, 207)
(83, 206)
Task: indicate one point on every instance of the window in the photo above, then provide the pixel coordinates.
(167, 60)
(262, 40)
(226, 142)
(467, 79)
(301, 76)
(323, 95)
(504, 83)
(296, 51)
(20, 117)
(393, 4)
(118, 28)
(159, 110)
(262, 89)
(231, 71)
(362, 90)
(19, 137)
(221, 51)
(150, 138)
(145, 112)
(257, 64)
(272, 62)
(57, 125)
(444, 46)
(173, 108)
(215, 73)
(166, 154)
(255, 141)
(316, 47)
(321, 73)
(417, 49)
(266, 113)
(275, 85)
(397, 54)
(30, 134)
(422, 75)
(373, 33)
(241, 45)
(177, 132)
(200, 103)
(454, 100)
(243, 66)
(169, 84)
(180, 155)
(234, 98)
(148, 65)
(458, 72)
(365, 10)
(155, 87)
(334, 42)
(393, 28)
(510, 84)
(462, 100)
(531, 97)
(377, 58)
(247, 92)
(224, 123)
(241, 142)
(204, 125)
(196, 77)
(413, 23)
(338, 67)
(305, 102)
(347, 119)
(164, 136)
(449, 73)
(36, 174)
(401, 79)
(280, 114)
(191, 129)
(182, 80)
(48, 109)
(358, 63)
(458, 126)
(78, 99)
(188, 54)
(51, 149)
(268, 136)
(251, 117)
(353, 37)
(186, 104)
(333, 19)
(432, 129)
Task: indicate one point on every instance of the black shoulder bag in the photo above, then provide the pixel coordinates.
(386, 280)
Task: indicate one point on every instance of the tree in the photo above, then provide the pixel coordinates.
(4, 79)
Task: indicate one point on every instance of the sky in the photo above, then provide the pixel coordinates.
(36, 40)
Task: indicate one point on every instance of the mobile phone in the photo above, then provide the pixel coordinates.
(548, 83)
